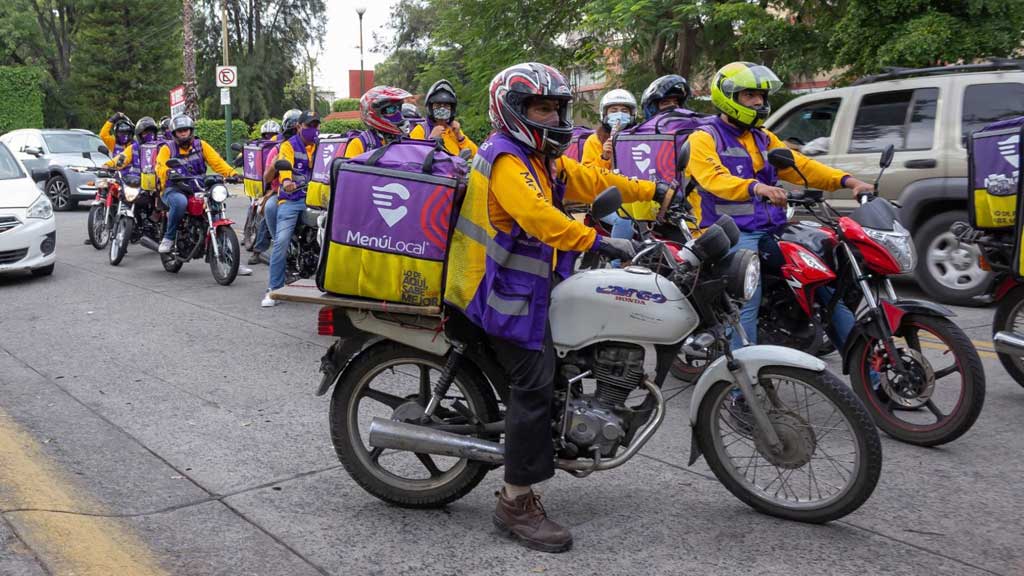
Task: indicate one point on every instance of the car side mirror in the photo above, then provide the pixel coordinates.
(887, 155)
(33, 151)
(781, 158)
(103, 150)
(282, 165)
(40, 175)
(237, 146)
(606, 203)
(175, 163)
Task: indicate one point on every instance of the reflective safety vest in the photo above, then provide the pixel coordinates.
(195, 164)
(302, 170)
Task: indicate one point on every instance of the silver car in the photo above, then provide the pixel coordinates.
(59, 152)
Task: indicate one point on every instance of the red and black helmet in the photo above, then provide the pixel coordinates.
(381, 109)
(511, 91)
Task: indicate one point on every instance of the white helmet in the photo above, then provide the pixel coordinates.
(617, 96)
(270, 127)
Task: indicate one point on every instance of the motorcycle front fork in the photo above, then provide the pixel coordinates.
(878, 316)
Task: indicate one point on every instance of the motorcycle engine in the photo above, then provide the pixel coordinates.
(602, 419)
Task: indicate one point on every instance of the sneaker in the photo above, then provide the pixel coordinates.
(244, 271)
(267, 301)
(254, 259)
(739, 411)
(166, 245)
(524, 519)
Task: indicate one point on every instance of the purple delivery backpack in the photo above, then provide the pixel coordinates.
(650, 148)
(147, 165)
(579, 137)
(254, 156)
(328, 149)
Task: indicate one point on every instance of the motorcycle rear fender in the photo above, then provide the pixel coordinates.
(753, 359)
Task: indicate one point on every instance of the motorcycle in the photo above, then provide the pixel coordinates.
(102, 213)
(141, 216)
(303, 255)
(204, 231)
(416, 418)
(916, 371)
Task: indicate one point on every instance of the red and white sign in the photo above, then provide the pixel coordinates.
(227, 76)
(177, 99)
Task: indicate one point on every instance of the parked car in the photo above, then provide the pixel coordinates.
(57, 152)
(28, 228)
(927, 114)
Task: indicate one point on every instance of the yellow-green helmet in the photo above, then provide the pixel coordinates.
(732, 79)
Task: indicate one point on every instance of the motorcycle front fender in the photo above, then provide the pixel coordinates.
(223, 222)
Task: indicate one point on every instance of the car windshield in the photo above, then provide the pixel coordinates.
(71, 142)
(9, 167)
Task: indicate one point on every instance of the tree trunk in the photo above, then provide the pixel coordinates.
(189, 60)
(686, 48)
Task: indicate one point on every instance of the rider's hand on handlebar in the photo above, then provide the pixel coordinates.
(773, 194)
(616, 248)
(859, 187)
(288, 186)
(235, 179)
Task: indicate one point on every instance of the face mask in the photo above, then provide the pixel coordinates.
(148, 137)
(442, 113)
(122, 138)
(392, 113)
(620, 119)
(310, 134)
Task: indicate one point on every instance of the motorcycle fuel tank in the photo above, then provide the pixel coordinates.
(630, 305)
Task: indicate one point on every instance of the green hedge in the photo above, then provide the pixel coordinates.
(345, 105)
(340, 126)
(212, 132)
(21, 98)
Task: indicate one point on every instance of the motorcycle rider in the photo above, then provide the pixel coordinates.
(380, 109)
(130, 159)
(441, 122)
(268, 204)
(196, 155)
(665, 93)
(117, 133)
(511, 243)
(728, 165)
(165, 129)
(299, 150)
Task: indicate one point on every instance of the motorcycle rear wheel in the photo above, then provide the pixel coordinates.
(225, 266)
(119, 243)
(397, 477)
(99, 234)
(1009, 316)
(794, 399)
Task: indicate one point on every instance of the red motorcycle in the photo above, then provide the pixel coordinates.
(103, 212)
(914, 369)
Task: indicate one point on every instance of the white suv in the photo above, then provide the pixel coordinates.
(927, 114)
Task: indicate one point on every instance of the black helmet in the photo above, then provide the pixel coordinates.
(183, 122)
(145, 123)
(670, 85)
(124, 125)
(308, 118)
(441, 92)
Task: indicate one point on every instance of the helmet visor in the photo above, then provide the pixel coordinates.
(755, 77)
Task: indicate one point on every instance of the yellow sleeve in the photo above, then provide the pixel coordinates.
(592, 149)
(519, 194)
(584, 183)
(467, 144)
(125, 156)
(418, 132)
(107, 136)
(706, 168)
(213, 160)
(161, 164)
(353, 148)
(286, 152)
(818, 175)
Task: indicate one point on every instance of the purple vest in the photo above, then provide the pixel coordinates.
(751, 215)
(514, 295)
(135, 168)
(195, 164)
(302, 169)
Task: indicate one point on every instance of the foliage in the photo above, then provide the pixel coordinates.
(345, 105)
(212, 132)
(340, 126)
(21, 98)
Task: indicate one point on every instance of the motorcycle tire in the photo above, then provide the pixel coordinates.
(1009, 317)
(361, 462)
(99, 234)
(225, 266)
(121, 238)
(171, 264)
(866, 467)
(889, 415)
(249, 228)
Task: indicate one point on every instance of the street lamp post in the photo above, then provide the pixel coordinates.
(361, 10)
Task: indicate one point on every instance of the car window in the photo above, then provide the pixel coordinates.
(17, 141)
(33, 139)
(71, 142)
(808, 122)
(988, 103)
(903, 118)
(9, 167)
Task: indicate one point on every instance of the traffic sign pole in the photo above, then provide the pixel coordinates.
(227, 77)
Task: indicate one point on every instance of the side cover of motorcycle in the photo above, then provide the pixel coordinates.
(632, 305)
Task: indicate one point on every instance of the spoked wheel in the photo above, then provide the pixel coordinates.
(939, 395)
(1009, 317)
(99, 233)
(252, 224)
(119, 243)
(225, 266)
(830, 457)
(394, 381)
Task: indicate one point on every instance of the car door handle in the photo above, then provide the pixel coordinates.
(921, 164)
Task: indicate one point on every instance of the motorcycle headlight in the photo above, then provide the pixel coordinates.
(742, 272)
(130, 193)
(219, 193)
(41, 208)
(898, 243)
(751, 278)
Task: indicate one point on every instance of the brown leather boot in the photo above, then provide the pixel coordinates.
(524, 518)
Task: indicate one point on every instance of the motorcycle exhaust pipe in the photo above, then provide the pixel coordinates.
(1011, 343)
(147, 242)
(386, 433)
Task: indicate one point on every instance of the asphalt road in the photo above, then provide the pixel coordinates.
(154, 423)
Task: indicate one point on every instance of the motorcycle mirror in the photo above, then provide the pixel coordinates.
(103, 150)
(728, 225)
(237, 146)
(684, 157)
(781, 158)
(887, 155)
(175, 163)
(282, 165)
(606, 203)
(238, 162)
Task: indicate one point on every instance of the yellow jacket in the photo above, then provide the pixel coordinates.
(592, 150)
(452, 144)
(212, 158)
(120, 160)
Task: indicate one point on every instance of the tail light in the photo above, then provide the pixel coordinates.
(325, 321)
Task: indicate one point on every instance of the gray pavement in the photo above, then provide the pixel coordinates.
(184, 414)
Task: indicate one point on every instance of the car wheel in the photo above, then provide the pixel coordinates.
(44, 271)
(948, 270)
(59, 192)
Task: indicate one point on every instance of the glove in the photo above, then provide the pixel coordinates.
(117, 116)
(661, 189)
(614, 248)
(233, 179)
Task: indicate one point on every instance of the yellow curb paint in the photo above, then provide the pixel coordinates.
(939, 346)
(67, 543)
(979, 344)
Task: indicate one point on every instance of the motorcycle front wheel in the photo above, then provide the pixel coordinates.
(225, 266)
(831, 455)
(119, 243)
(940, 395)
(394, 381)
(99, 233)
(1009, 317)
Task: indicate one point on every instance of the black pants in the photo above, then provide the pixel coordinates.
(529, 451)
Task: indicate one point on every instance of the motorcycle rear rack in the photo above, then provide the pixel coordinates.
(306, 291)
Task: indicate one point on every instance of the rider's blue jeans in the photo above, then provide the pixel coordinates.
(288, 214)
(621, 228)
(176, 202)
(266, 230)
